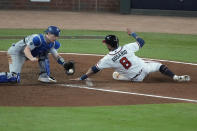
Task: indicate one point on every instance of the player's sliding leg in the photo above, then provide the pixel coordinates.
(45, 69)
(164, 70)
(151, 66)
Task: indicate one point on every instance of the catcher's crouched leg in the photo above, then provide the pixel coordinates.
(45, 75)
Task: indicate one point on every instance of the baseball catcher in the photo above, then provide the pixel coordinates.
(127, 65)
(36, 48)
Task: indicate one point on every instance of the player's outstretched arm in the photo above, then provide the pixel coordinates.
(139, 40)
(69, 66)
(90, 72)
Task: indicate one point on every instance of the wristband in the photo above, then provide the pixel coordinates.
(83, 77)
(134, 35)
(95, 69)
(60, 61)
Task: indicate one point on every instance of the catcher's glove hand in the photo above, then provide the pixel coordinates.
(69, 67)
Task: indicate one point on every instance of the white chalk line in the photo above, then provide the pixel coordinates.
(177, 62)
(124, 92)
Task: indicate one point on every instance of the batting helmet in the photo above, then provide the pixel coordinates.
(53, 30)
(112, 40)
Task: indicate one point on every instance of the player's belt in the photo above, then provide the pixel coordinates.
(136, 75)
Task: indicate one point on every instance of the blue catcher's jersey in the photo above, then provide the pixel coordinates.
(38, 45)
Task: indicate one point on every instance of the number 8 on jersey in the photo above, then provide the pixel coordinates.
(125, 63)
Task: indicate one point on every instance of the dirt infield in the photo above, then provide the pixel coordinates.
(30, 92)
(100, 21)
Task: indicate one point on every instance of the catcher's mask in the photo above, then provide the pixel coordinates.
(112, 40)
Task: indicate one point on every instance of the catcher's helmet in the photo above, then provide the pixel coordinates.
(53, 30)
(112, 40)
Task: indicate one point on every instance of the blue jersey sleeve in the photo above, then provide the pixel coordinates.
(57, 45)
(36, 41)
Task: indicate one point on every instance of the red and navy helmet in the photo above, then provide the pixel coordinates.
(112, 40)
(53, 30)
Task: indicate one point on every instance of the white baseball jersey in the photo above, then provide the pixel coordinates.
(125, 62)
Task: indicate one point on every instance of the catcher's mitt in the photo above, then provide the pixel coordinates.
(69, 67)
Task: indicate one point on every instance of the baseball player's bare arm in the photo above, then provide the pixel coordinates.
(129, 32)
(90, 72)
(55, 54)
(28, 54)
(139, 40)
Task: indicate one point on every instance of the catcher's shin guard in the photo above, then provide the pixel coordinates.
(6, 77)
(44, 66)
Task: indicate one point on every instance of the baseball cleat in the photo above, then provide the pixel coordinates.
(16, 78)
(47, 79)
(184, 78)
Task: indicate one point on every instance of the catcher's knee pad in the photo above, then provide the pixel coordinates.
(6, 77)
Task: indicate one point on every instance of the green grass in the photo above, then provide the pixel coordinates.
(177, 47)
(161, 117)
